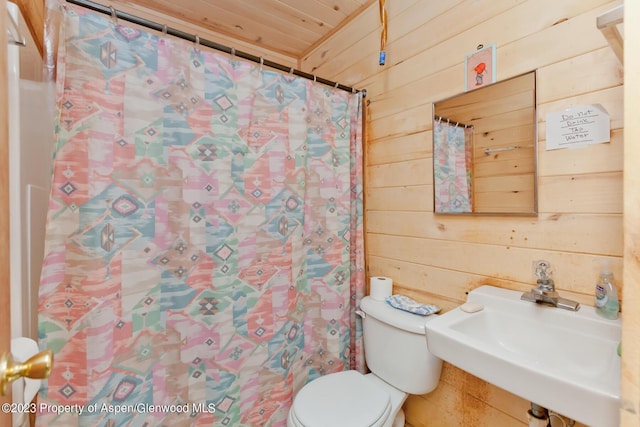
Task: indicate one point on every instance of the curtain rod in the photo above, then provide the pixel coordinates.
(118, 14)
(451, 122)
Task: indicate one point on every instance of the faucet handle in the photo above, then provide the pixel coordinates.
(542, 269)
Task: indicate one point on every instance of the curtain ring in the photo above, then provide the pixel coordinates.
(439, 119)
(336, 86)
(196, 44)
(114, 15)
(314, 78)
(261, 63)
(164, 29)
(233, 53)
(291, 71)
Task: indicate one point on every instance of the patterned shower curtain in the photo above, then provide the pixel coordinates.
(204, 249)
(452, 153)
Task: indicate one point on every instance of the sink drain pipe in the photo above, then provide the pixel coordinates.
(538, 416)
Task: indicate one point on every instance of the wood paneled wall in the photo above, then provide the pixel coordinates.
(630, 413)
(438, 258)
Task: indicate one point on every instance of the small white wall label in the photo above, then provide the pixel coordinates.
(578, 126)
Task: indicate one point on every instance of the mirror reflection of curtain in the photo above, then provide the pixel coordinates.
(452, 167)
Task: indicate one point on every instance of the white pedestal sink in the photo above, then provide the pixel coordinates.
(563, 360)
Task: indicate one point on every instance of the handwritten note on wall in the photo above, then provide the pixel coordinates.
(578, 126)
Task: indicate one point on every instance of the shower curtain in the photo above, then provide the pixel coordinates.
(452, 153)
(204, 252)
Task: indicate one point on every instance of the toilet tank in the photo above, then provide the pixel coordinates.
(395, 347)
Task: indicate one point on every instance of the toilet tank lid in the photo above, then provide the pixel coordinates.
(382, 311)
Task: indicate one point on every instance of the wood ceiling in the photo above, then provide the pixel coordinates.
(290, 27)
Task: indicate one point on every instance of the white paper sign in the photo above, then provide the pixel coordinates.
(578, 126)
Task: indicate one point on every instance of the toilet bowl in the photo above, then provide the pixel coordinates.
(343, 399)
(396, 352)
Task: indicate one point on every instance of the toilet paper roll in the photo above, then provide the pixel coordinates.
(380, 287)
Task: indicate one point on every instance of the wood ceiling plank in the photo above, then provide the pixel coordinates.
(205, 33)
(272, 14)
(289, 27)
(246, 24)
(347, 7)
(293, 15)
(216, 18)
(323, 10)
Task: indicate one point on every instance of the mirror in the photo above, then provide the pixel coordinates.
(485, 150)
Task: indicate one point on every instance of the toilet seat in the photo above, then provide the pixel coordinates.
(341, 399)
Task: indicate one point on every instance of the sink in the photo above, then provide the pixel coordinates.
(565, 361)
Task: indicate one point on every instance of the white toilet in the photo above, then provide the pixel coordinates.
(395, 347)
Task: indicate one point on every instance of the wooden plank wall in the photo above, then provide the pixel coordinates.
(630, 413)
(437, 259)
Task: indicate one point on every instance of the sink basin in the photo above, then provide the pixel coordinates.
(565, 361)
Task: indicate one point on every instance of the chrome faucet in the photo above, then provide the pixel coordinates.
(545, 292)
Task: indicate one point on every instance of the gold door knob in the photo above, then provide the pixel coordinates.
(37, 366)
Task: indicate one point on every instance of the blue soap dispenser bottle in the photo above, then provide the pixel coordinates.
(606, 300)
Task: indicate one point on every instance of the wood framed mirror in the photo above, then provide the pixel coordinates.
(485, 150)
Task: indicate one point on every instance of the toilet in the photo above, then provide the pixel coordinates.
(395, 348)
